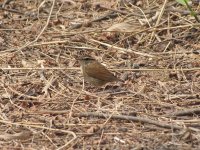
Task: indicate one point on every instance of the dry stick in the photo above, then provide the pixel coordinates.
(48, 85)
(176, 96)
(21, 94)
(41, 127)
(184, 112)
(159, 17)
(122, 69)
(102, 30)
(183, 12)
(129, 118)
(106, 16)
(11, 30)
(145, 17)
(86, 93)
(83, 92)
(115, 10)
(49, 139)
(12, 10)
(82, 32)
(175, 69)
(65, 41)
(27, 96)
(54, 112)
(36, 39)
(72, 106)
(9, 97)
(122, 49)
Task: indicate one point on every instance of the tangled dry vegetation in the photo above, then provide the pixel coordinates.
(151, 44)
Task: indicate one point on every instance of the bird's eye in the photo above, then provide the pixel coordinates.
(87, 58)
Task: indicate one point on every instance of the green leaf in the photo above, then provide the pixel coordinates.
(182, 1)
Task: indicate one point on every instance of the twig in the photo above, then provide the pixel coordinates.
(129, 118)
(159, 17)
(72, 106)
(54, 112)
(122, 49)
(188, 96)
(48, 85)
(106, 16)
(38, 36)
(122, 69)
(21, 94)
(114, 10)
(41, 127)
(82, 32)
(20, 108)
(192, 111)
(12, 10)
(178, 38)
(183, 12)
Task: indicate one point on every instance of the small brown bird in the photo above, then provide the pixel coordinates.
(94, 72)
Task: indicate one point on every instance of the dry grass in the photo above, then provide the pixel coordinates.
(151, 45)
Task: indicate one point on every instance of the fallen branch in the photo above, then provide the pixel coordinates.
(193, 111)
(129, 118)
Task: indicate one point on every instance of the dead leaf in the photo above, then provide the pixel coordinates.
(6, 95)
(41, 63)
(121, 27)
(24, 135)
(93, 129)
(28, 64)
(69, 2)
(127, 26)
(87, 97)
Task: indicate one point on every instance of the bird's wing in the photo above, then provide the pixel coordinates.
(101, 73)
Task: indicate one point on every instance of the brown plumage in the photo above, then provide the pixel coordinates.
(94, 72)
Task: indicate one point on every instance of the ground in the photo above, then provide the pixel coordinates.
(151, 45)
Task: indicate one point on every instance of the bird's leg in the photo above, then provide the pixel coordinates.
(83, 87)
(109, 89)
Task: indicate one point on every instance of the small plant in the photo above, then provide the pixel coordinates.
(186, 3)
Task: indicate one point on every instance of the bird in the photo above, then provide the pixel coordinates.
(94, 72)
